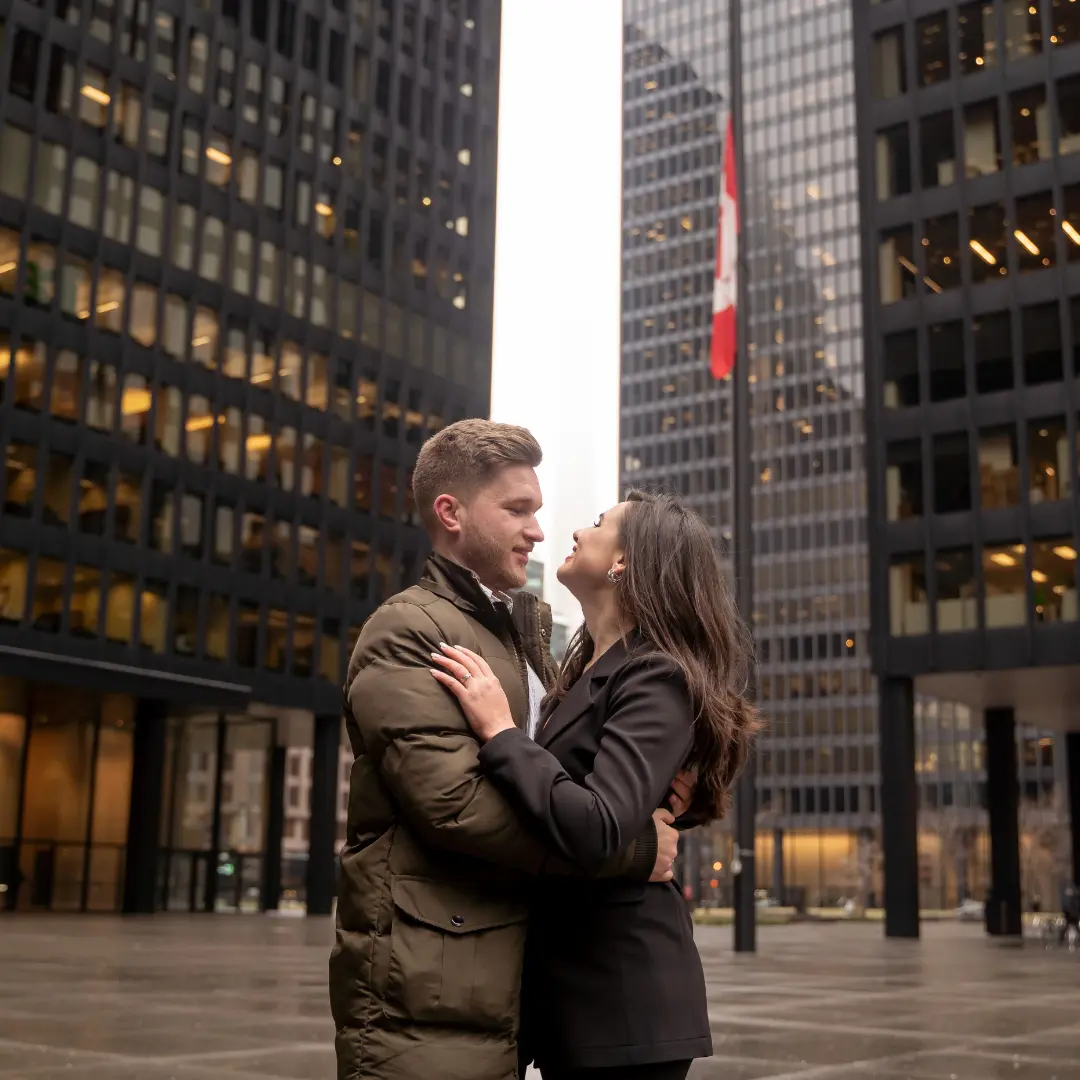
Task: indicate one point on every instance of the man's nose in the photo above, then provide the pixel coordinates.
(534, 532)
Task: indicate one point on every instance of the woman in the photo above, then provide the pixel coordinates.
(652, 683)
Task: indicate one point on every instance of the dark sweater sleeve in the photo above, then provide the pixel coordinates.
(646, 736)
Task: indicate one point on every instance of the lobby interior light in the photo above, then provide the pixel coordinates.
(218, 156)
(1064, 551)
(324, 209)
(135, 400)
(258, 443)
(1069, 230)
(1002, 558)
(1026, 241)
(983, 254)
(6, 268)
(1039, 577)
(199, 423)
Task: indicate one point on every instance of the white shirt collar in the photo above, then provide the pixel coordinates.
(497, 596)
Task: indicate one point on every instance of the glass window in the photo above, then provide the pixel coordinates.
(890, 66)
(157, 132)
(901, 370)
(83, 201)
(135, 409)
(101, 392)
(128, 509)
(993, 352)
(66, 391)
(1049, 460)
(317, 390)
(1030, 122)
(290, 377)
(120, 608)
(987, 243)
(896, 266)
(999, 468)
(955, 591)
(85, 613)
(226, 77)
(109, 312)
(903, 480)
(347, 309)
(230, 440)
(281, 550)
(165, 45)
(9, 260)
(127, 116)
(277, 634)
(938, 145)
(212, 254)
(26, 48)
(154, 616)
(174, 337)
(151, 231)
(285, 458)
(119, 206)
(1064, 22)
(49, 595)
(49, 180)
(248, 176)
(908, 613)
(234, 356)
(190, 143)
(252, 533)
(1023, 29)
(14, 161)
(40, 286)
(263, 367)
(296, 286)
(330, 651)
(183, 236)
(93, 498)
(932, 48)
(13, 574)
(218, 160)
(217, 627)
(952, 479)
(204, 338)
(162, 517)
(982, 139)
(978, 36)
(186, 621)
(253, 93)
(191, 525)
(198, 59)
(224, 533)
(144, 314)
(1041, 338)
(339, 476)
(942, 243)
(947, 377)
(20, 470)
(199, 429)
(1006, 591)
(56, 496)
(269, 286)
(257, 449)
(1053, 578)
(29, 375)
(1035, 231)
(93, 104)
(311, 472)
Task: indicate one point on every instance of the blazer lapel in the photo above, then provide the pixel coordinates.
(582, 694)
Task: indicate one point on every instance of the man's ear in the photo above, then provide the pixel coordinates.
(448, 513)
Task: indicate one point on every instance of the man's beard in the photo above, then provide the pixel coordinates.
(484, 556)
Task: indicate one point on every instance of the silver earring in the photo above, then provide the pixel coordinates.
(613, 577)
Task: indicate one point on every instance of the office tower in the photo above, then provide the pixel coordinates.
(968, 127)
(246, 258)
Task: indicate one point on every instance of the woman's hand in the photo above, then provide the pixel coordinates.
(682, 791)
(468, 677)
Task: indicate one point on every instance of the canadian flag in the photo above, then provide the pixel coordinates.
(725, 287)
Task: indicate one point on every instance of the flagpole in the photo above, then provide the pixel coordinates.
(743, 864)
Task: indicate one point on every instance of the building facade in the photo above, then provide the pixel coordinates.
(246, 254)
(970, 187)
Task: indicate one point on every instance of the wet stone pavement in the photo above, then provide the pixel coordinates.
(239, 998)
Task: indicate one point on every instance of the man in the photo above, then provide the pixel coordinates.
(433, 896)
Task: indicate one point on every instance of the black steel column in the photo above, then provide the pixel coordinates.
(144, 815)
(210, 894)
(275, 829)
(1072, 752)
(899, 807)
(778, 866)
(1003, 802)
(743, 864)
(322, 828)
(88, 836)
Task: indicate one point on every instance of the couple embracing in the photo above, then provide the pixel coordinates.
(506, 891)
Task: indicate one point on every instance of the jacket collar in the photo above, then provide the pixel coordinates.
(580, 697)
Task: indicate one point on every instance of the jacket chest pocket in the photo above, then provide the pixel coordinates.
(455, 958)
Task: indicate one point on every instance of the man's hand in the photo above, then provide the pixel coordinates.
(667, 845)
(683, 787)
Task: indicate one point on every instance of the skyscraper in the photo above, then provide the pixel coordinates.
(246, 260)
(817, 777)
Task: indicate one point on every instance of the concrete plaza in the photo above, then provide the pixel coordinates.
(239, 998)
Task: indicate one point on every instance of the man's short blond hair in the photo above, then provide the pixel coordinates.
(465, 456)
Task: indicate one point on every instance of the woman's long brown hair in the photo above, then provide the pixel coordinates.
(675, 593)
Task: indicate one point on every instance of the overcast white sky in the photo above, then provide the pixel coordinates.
(556, 353)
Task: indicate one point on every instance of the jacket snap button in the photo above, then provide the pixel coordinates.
(457, 920)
